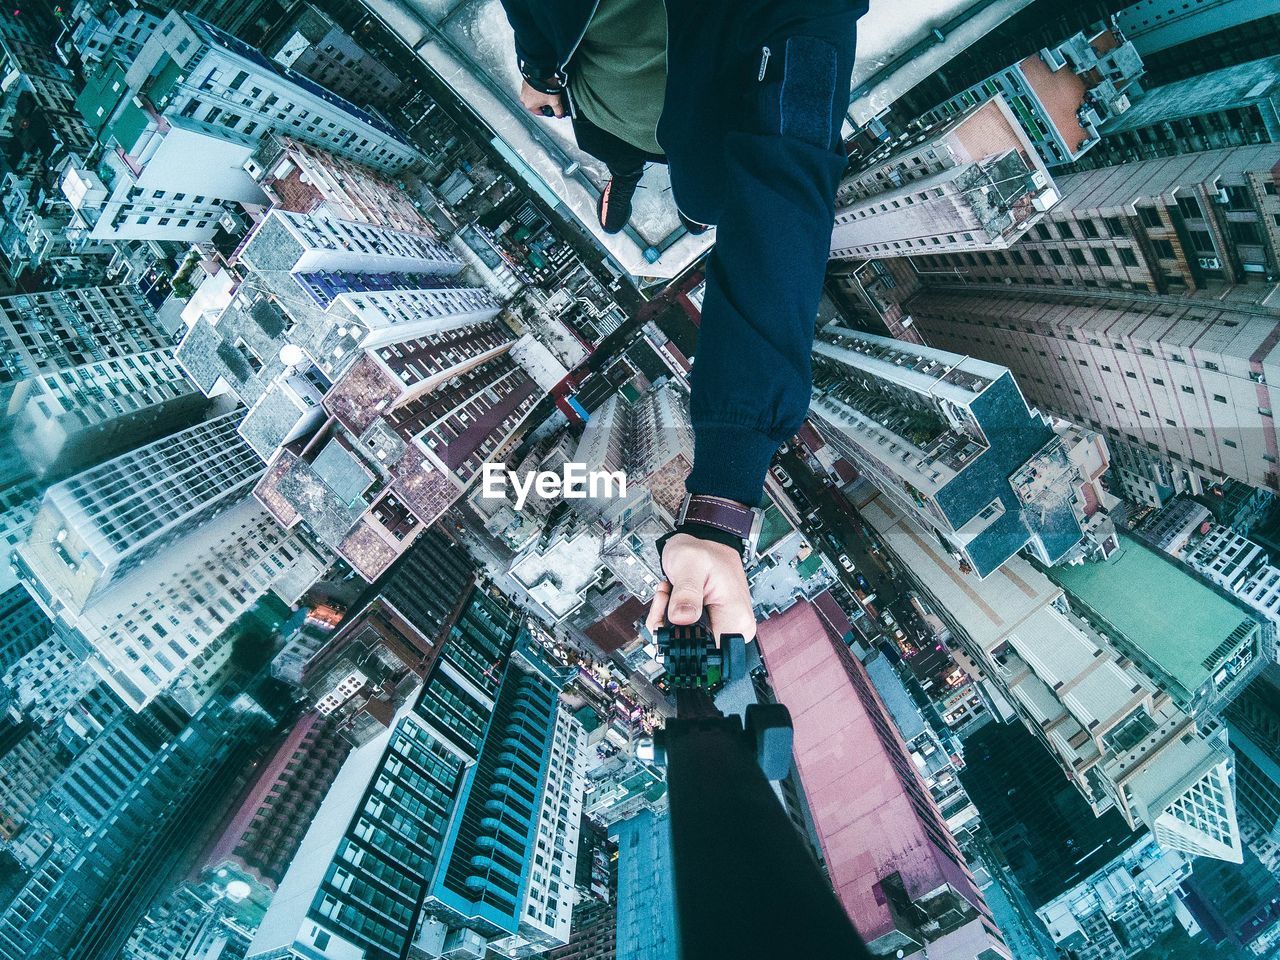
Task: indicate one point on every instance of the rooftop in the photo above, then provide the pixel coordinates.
(867, 816)
(1204, 93)
(1168, 614)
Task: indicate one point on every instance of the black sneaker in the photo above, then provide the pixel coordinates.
(693, 226)
(614, 205)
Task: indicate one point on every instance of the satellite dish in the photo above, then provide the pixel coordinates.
(291, 355)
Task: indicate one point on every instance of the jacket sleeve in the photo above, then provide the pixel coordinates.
(751, 374)
(535, 52)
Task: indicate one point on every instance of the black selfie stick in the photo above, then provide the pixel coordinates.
(746, 884)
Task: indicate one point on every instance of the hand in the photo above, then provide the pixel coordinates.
(702, 574)
(535, 100)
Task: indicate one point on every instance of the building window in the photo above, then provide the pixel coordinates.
(1056, 257)
(1127, 257)
(1078, 257)
(1164, 249)
(1238, 198)
(1220, 398)
(1189, 207)
(1150, 217)
(1089, 229)
(1101, 256)
(1065, 231)
(1115, 226)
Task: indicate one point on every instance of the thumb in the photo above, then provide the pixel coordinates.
(685, 606)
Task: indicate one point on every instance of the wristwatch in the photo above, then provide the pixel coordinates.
(721, 520)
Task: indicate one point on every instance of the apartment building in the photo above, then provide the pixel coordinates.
(1115, 703)
(1062, 94)
(1171, 225)
(970, 182)
(1180, 387)
(951, 440)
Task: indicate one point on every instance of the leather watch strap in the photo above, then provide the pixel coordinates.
(717, 512)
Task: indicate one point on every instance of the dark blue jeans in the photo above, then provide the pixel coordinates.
(624, 160)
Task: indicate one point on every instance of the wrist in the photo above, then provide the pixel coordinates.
(702, 531)
(551, 85)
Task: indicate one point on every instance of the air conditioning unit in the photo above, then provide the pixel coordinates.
(1210, 263)
(1039, 179)
(1045, 200)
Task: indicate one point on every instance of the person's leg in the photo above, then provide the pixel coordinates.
(626, 166)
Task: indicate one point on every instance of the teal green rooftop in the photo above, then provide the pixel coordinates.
(773, 527)
(1181, 624)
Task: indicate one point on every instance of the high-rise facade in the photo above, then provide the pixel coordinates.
(896, 869)
(970, 182)
(1179, 410)
(316, 47)
(123, 804)
(1169, 225)
(46, 332)
(456, 829)
(96, 528)
(1253, 724)
(186, 114)
(267, 829)
(76, 417)
(649, 439)
(302, 178)
(1112, 697)
(951, 440)
(1231, 107)
(167, 626)
(362, 675)
(1182, 42)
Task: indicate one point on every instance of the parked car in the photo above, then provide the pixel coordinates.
(846, 562)
(861, 581)
(781, 476)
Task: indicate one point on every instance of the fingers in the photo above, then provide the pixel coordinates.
(685, 606)
(735, 617)
(541, 107)
(658, 609)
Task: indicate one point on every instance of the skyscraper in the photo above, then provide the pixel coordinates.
(166, 627)
(76, 417)
(362, 675)
(124, 804)
(1179, 410)
(1230, 107)
(97, 527)
(895, 867)
(376, 385)
(1181, 43)
(44, 333)
(186, 114)
(1062, 94)
(456, 829)
(951, 440)
(1112, 695)
(1168, 225)
(971, 182)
